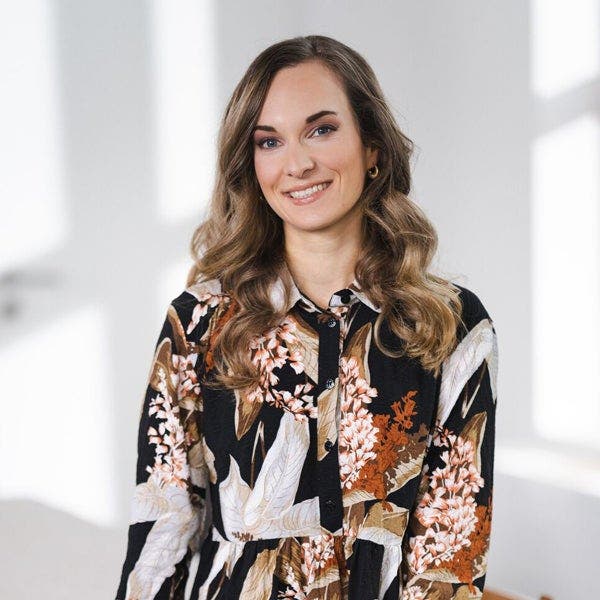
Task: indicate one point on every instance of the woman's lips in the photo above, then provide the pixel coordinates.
(309, 199)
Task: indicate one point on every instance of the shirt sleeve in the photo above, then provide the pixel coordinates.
(446, 543)
(169, 515)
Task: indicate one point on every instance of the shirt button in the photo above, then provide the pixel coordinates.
(328, 445)
(330, 504)
(329, 383)
(331, 322)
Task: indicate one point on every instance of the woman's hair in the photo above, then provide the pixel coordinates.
(241, 241)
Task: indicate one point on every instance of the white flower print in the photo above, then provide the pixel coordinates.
(295, 590)
(316, 553)
(206, 300)
(447, 509)
(170, 461)
(270, 352)
(357, 434)
(414, 592)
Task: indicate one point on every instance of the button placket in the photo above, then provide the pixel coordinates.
(328, 470)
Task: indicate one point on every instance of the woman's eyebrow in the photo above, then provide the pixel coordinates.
(309, 119)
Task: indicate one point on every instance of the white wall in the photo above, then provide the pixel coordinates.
(111, 110)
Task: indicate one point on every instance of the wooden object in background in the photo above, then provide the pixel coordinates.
(495, 595)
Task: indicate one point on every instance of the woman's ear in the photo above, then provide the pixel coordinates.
(372, 156)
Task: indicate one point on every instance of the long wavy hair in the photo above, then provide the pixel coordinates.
(241, 241)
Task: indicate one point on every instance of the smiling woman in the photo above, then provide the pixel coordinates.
(319, 416)
(324, 148)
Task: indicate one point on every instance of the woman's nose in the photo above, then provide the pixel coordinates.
(298, 160)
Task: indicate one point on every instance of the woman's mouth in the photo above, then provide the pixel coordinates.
(309, 194)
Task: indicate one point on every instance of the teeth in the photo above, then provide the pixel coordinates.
(309, 191)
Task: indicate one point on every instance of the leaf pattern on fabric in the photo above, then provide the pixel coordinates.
(359, 347)
(378, 486)
(165, 546)
(390, 566)
(246, 412)
(268, 509)
(384, 524)
(223, 563)
(478, 345)
(306, 344)
(259, 581)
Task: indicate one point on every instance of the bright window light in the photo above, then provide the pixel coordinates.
(34, 219)
(186, 87)
(58, 418)
(568, 472)
(565, 45)
(566, 282)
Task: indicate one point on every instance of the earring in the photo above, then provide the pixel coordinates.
(373, 171)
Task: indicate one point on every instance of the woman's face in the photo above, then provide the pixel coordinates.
(296, 147)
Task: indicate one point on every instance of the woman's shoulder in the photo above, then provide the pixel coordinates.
(196, 303)
(204, 290)
(473, 309)
(208, 292)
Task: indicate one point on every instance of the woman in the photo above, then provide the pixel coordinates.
(319, 416)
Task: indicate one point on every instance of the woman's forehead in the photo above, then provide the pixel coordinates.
(297, 96)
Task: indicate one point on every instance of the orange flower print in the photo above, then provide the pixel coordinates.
(358, 434)
(448, 508)
(378, 475)
(464, 561)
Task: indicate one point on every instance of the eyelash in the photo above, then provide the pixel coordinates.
(261, 142)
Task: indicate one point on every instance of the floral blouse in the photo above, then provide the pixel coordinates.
(346, 474)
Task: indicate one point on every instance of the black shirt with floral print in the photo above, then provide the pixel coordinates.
(346, 474)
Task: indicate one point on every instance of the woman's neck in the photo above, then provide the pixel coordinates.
(321, 266)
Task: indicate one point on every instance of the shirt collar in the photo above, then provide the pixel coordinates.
(277, 293)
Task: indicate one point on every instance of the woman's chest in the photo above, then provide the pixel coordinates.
(328, 394)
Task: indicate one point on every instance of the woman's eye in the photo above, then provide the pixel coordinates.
(330, 127)
(262, 143)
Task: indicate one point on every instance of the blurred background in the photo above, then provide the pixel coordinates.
(108, 121)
